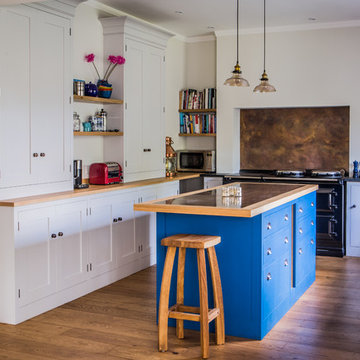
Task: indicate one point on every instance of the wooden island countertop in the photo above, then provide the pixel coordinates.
(91, 190)
(256, 198)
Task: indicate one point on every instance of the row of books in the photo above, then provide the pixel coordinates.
(197, 123)
(193, 99)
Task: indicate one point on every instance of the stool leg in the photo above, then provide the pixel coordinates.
(180, 290)
(218, 297)
(204, 308)
(164, 298)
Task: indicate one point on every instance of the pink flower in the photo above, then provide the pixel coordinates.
(113, 62)
(120, 60)
(90, 58)
(112, 59)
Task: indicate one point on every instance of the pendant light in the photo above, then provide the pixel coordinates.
(236, 79)
(264, 85)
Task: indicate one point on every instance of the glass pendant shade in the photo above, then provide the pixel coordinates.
(236, 79)
(264, 86)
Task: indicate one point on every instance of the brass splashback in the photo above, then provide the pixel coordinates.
(295, 138)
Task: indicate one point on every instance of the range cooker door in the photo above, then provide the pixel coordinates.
(330, 220)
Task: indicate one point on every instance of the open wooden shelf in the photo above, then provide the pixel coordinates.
(213, 135)
(98, 133)
(97, 100)
(197, 110)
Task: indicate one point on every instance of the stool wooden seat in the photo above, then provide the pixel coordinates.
(179, 311)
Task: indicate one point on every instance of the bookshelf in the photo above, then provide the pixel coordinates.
(197, 112)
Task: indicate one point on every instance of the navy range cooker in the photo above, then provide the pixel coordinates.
(330, 200)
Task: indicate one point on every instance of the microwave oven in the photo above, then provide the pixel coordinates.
(195, 160)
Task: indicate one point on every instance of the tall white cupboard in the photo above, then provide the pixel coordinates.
(141, 84)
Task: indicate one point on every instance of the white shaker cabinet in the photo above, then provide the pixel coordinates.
(99, 235)
(142, 84)
(352, 218)
(68, 228)
(35, 255)
(35, 109)
(123, 228)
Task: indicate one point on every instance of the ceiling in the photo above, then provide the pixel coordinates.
(201, 17)
(198, 15)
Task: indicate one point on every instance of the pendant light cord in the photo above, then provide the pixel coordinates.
(237, 32)
(264, 36)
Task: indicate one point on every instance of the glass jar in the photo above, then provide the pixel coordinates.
(76, 121)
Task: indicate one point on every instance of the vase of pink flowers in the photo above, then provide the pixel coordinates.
(104, 87)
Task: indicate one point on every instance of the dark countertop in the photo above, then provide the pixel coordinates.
(256, 198)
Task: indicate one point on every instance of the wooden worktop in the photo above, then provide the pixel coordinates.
(256, 198)
(93, 189)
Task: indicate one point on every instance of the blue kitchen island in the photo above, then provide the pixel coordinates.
(266, 255)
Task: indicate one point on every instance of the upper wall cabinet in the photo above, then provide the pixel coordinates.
(35, 108)
(141, 83)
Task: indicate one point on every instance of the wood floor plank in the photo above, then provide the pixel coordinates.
(118, 322)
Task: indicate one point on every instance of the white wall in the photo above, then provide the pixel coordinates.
(308, 68)
(87, 38)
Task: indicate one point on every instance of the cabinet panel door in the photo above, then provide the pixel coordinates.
(50, 95)
(353, 218)
(15, 160)
(153, 110)
(166, 190)
(124, 229)
(133, 105)
(69, 225)
(145, 225)
(99, 235)
(35, 256)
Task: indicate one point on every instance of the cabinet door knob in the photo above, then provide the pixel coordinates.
(120, 218)
(300, 251)
(312, 203)
(286, 217)
(301, 210)
(53, 236)
(286, 262)
(268, 276)
(42, 154)
(115, 220)
(312, 241)
(268, 226)
(60, 233)
(300, 230)
(312, 222)
(35, 154)
(286, 240)
(353, 206)
(268, 251)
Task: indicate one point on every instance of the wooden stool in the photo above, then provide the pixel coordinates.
(179, 311)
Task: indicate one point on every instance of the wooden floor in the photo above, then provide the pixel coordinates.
(118, 322)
